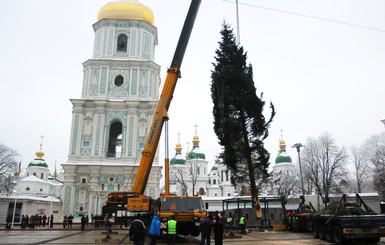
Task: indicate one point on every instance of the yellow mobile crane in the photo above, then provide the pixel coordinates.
(187, 210)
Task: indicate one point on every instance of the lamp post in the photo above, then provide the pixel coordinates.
(298, 147)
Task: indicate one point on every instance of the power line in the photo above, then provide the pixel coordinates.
(309, 16)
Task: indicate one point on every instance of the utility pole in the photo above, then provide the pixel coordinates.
(238, 31)
(298, 147)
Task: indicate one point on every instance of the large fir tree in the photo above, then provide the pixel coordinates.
(239, 122)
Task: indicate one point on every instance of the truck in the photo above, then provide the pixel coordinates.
(189, 210)
(348, 221)
(300, 220)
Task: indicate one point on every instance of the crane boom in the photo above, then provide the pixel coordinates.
(161, 113)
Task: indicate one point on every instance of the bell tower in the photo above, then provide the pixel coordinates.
(109, 122)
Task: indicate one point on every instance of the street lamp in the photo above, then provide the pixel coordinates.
(298, 147)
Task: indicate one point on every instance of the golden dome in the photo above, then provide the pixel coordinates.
(39, 154)
(126, 9)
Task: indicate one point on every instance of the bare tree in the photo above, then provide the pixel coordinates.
(361, 168)
(179, 175)
(285, 184)
(8, 166)
(185, 175)
(375, 152)
(324, 162)
(192, 172)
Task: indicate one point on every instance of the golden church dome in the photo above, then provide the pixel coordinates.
(39, 154)
(126, 9)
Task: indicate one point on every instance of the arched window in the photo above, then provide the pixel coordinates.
(214, 181)
(41, 176)
(122, 43)
(115, 140)
(83, 181)
(201, 191)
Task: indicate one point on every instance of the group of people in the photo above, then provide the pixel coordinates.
(137, 231)
(98, 220)
(35, 221)
(68, 220)
(207, 226)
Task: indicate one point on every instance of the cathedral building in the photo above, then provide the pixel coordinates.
(37, 192)
(191, 175)
(110, 121)
(284, 173)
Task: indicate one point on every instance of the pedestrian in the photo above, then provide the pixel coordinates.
(87, 219)
(27, 220)
(51, 221)
(70, 220)
(172, 230)
(137, 230)
(23, 222)
(205, 228)
(154, 229)
(44, 220)
(9, 221)
(82, 223)
(242, 224)
(65, 221)
(219, 228)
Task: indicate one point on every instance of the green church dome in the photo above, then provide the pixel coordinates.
(282, 157)
(196, 152)
(178, 159)
(38, 161)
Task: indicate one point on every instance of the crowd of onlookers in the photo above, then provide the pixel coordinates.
(42, 220)
(98, 220)
(68, 220)
(36, 220)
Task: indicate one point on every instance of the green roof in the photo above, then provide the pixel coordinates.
(196, 153)
(177, 160)
(37, 162)
(283, 157)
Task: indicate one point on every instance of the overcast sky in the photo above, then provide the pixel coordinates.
(321, 63)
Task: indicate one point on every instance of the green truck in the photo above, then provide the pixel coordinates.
(345, 221)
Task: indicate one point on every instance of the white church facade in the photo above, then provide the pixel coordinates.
(109, 122)
(37, 193)
(191, 174)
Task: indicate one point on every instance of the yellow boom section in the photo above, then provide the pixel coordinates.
(160, 116)
(155, 131)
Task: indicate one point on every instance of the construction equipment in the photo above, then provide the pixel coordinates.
(191, 208)
(345, 222)
(300, 220)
